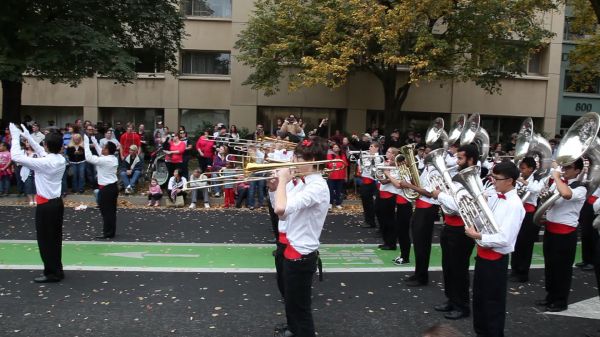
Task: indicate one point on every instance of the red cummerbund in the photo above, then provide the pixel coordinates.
(283, 239)
(529, 208)
(558, 228)
(400, 200)
(422, 204)
(385, 194)
(453, 220)
(488, 253)
(367, 181)
(291, 253)
(40, 200)
(592, 199)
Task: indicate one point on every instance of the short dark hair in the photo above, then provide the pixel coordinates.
(54, 142)
(530, 162)
(578, 164)
(471, 152)
(313, 148)
(507, 169)
(111, 147)
(376, 144)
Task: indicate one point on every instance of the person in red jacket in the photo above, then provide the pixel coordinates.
(336, 178)
(127, 139)
(205, 148)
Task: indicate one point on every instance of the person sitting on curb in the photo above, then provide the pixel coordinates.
(130, 169)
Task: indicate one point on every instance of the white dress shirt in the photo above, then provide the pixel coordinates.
(49, 169)
(38, 137)
(106, 166)
(289, 187)
(305, 213)
(508, 214)
(281, 155)
(534, 187)
(564, 211)
(425, 184)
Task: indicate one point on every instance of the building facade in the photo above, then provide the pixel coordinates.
(209, 89)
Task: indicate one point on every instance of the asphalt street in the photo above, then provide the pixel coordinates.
(167, 303)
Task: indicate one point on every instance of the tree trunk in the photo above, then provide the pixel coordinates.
(394, 98)
(11, 101)
(596, 7)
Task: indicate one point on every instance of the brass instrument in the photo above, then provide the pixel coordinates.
(441, 179)
(403, 170)
(368, 163)
(580, 140)
(256, 172)
(355, 155)
(530, 144)
(457, 130)
(474, 133)
(436, 136)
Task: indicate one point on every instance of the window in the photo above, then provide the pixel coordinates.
(534, 66)
(149, 60)
(138, 116)
(570, 86)
(207, 8)
(570, 34)
(196, 120)
(205, 63)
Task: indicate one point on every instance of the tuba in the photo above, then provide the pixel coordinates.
(409, 170)
(580, 140)
(441, 180)
(530, 144)
(457, 130)
(474, 133)
(436, 137)
(472, 206)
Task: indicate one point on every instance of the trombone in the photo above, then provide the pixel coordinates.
(256, 172)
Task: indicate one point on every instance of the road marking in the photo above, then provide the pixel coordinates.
(589, 308)
(141, 255)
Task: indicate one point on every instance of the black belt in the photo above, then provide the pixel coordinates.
(319, 262)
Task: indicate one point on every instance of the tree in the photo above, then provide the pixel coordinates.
(325, 41)
(584, 59)
(67, 40)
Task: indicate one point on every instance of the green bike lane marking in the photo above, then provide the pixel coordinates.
(207, 257)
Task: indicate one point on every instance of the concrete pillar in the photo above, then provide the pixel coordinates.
(90, 113)
(243, 116)
(356, 120)
(171, 118)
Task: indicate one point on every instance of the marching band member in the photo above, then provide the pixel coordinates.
(385, 207)
(490, 279)
(456, 247)
(280, 154)
(597, 248)
(106, 165)
(49, 168)
(560, 237)
(520, 260)
(304, 210)
(368, 188)
(426, 212)
(589, 236)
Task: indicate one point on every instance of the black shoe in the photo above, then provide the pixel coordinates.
(542, 303)
(47, 279)
(367, 226)
(456, 314)
(281, 327)
(380, 246)
(284, 333)
(387, 248)
(104, 237)
(272, 241)
(556, 308)
(415, 283)
(587, 267)
(444, 307)
(409, 278)
(518, 279)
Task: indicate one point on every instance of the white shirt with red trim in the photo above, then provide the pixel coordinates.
(305, 213)
(534, 187)
(289, 187)
(564, 211)
(508, 214)
(49, 170)
(425, 184)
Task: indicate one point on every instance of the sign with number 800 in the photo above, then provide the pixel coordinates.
(585, 107)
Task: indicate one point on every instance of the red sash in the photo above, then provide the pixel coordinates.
(385, 194)
(283, 238)
(558, 228)
(291, 253)
(40, 200)
(453, 220)
(488, 253)
(400, 200)
(100, 186)
(422, 204)
(529, 208)
(367, 181)
(592, 199)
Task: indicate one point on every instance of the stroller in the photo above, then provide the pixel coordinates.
(157, 168)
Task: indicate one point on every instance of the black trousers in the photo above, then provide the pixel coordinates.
(559, 255)
(422, 235)
(597, 265)
(489, 296)
(279, 267)
(456, 251)
(402, 229)
(589, 235)
(385, 209)
(274, 219)
(367, 192)
(520, 260)
(298, 277)
(48, 226)
(107, 200)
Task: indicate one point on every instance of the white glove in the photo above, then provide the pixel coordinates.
(15, 132)
(25, 132)
(86, 140)
(94, 141)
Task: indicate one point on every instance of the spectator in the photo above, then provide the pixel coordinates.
(175, 186)
(510, 146)
(154, 193)
(36, 134)
(394, 140)
(337, 138)
(90, 169)
(161, 130)
(273, 132)
(5, 169)
(67, 136)
(198, 180)
(130, 169)
(27, 176)
(229, 171)
(144, 141)
(338, 177)
(255, 187)
(363, 144)
(7, 137)
(204, 146)
(187, 153)
(76, 157)
(119, 131)
(127, 139)
(259, 134)
(217, 130)
(174, 154)
(109, 137)
(218, 163)
(242, 194)
(233, 133)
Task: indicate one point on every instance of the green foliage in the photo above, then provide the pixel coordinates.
(325, 41)
(67, 40)
(584, 59)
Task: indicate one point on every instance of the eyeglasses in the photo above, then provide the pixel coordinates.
(492, 177)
